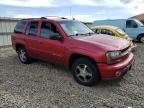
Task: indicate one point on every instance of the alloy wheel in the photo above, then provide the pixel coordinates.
(22, 55)
(83, 73)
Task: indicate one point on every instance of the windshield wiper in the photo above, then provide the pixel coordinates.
(90, 33)
(77, 34)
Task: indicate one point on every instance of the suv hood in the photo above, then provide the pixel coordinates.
(106, 41)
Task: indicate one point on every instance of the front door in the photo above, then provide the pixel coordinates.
(131, 28)
(51, 50)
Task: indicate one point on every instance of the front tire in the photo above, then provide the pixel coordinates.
(23, 56)
(141, 38)
(85, 72)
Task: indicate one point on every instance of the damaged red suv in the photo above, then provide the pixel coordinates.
(70, 43)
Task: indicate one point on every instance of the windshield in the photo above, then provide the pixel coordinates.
(120, 31)
(75, 28)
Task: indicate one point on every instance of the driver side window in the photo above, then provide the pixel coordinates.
(108, 32)
(131, 24)
(47, 30)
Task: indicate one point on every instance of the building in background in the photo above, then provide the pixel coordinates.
(6, 28)
(140, 17)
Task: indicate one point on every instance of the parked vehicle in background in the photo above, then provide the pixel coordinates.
(74, 45)
(133, 27)
(112, 31)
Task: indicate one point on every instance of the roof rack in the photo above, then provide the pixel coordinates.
(28, 18)
(45, 17)
(49, 17)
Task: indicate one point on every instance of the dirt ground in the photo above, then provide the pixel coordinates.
(43, 85)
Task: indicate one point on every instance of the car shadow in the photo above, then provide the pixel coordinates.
(102, 83)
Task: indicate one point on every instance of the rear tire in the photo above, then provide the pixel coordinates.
(23, 56)
(85, 72)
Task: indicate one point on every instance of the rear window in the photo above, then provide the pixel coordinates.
(19, 27)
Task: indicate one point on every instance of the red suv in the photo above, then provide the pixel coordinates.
(91, 57)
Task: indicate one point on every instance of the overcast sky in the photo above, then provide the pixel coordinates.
(84, 10)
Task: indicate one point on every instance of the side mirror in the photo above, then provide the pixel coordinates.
(56, 36)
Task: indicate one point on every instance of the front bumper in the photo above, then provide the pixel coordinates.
(133, 47)
(116, 70)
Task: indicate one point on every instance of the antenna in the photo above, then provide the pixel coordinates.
(70, 11)
(71, 17)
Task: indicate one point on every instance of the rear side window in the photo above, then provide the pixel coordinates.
(108, 32)
(20, 27)
(32, 28)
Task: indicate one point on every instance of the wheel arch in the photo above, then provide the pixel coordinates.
(18, 45)
(139, 36)
(75, 56)
(87, 58)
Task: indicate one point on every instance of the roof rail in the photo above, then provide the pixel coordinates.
(28, 18)
(48, 17)
(45, 17)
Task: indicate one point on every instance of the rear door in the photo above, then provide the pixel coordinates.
(51, 50)
(32, 38)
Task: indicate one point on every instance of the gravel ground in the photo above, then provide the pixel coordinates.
(43, 85)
